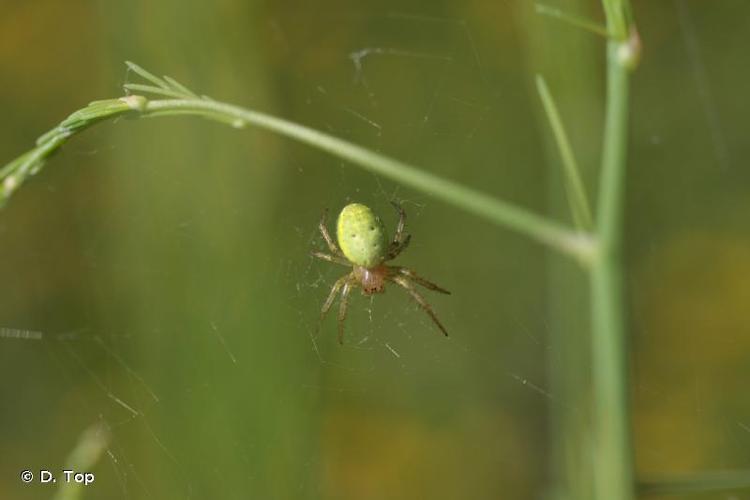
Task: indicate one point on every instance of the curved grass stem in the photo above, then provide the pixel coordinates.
(551, 233)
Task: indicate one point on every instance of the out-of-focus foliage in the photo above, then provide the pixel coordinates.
(166, 262)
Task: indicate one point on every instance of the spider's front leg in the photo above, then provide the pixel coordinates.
(418, 279)
(406, 284)
(335, 289)
(344, 285)
(343, 304)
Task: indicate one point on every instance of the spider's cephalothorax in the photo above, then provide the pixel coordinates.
(362, 245)
(372, 280)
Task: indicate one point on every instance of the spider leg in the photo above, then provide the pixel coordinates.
(343, 304)
(394, 249)
(405, 283)
(332, 296)
(331, 258)
(400, 240)
(326, 236)
(401, 221)
(419, 280)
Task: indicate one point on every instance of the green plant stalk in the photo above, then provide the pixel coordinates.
(481, 204)
(613, 462)
(497, 211)
(90, 447)
(617, 12)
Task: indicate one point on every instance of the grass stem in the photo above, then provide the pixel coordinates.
(613, 467)
(502, 213)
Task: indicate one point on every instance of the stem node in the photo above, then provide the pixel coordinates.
(629, 51)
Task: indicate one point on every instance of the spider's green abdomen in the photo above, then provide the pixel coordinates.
(361, 235)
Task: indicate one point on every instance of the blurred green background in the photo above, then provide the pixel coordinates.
(166, 262)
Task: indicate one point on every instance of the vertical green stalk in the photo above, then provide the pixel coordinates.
(613, 458)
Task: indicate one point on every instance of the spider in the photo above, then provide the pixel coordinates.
(362, 246)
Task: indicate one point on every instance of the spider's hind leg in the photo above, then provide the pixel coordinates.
(326, 235)
(331, 258)
(400, 240)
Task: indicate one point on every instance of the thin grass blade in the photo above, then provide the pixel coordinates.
(575, 190)
(146, 75)
(180, 87)
(573, 20)
(167, 92)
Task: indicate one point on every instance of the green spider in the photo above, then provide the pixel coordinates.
(362, 246)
